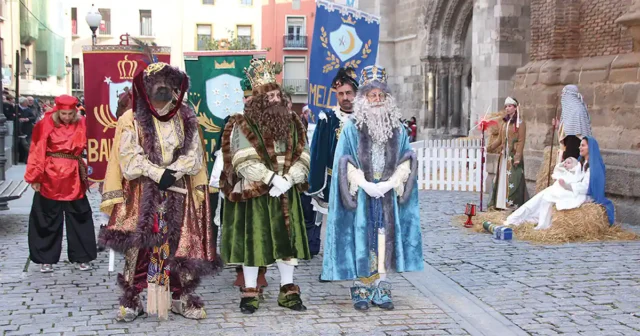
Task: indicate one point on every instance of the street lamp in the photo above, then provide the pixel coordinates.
(93, 20)
(27, 65)
(68, 66)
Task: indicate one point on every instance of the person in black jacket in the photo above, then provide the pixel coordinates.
(26, 119)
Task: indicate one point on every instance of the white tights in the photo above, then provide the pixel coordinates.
(251, 274)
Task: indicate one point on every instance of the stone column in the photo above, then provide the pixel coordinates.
(631, 20)
(456, 95)
(430, 91)
(500, 35)
(443, 96)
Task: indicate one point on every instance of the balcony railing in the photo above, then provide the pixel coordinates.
(295, 41)
(296, 86)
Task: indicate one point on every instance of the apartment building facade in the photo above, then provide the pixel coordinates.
(185, 26)
(287, 26)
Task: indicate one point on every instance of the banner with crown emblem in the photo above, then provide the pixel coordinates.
(108, 70)
(216, 90)
(342, 36)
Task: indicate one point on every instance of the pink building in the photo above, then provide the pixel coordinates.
(287, 27)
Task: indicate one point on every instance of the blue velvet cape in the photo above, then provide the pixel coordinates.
(346, 246)
(323, 146)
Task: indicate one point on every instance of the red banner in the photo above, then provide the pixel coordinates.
(108, 70)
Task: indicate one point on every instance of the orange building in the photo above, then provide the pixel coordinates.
(287, 28)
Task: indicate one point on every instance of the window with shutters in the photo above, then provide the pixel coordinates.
(145, 23)
(105, 24)
(295, 74)
(295, 35)
(244, 33)
(204, 33)
(74, 21)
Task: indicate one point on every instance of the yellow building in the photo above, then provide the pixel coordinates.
(184, 25)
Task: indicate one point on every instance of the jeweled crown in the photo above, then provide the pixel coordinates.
(261, 72)
(373, 73)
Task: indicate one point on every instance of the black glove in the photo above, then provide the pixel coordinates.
(167, 179)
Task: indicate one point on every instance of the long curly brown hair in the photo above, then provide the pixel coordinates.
(273, 118)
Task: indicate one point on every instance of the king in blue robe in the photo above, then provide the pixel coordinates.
(373, 225)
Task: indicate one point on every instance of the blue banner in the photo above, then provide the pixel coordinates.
(342, 36)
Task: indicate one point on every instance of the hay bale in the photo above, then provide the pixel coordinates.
(542, 179)
(587, 223)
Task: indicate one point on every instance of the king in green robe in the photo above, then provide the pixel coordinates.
(266, 166)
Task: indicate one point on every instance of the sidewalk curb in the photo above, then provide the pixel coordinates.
(473, 315)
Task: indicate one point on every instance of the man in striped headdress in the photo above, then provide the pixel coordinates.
(575, 123)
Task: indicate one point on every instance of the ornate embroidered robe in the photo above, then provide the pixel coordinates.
(258, 229)
(366, 236)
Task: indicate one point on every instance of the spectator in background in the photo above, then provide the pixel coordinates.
(27, 119)
(35, 107)
(413, 129)
(81, 110)
(8, 108)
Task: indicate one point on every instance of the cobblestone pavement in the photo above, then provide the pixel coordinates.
(70, 302)
(571, 289)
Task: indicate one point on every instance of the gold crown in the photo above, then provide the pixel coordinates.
(154, 67)
(225, 65)
(349, 20)
(127, 68)
(261, 72)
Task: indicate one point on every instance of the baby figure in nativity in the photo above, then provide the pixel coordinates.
(568, 192)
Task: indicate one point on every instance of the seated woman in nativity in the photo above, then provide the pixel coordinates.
(577, 181)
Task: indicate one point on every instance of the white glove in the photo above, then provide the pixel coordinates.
(275, 192)
(385, 187)
(281, 183)
(370, 188)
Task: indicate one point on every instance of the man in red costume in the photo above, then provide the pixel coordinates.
(57, 172)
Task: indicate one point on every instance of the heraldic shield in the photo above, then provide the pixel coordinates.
(115, 90)
(345, 42)
(224, 95)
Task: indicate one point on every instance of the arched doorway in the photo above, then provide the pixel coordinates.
(447, 67)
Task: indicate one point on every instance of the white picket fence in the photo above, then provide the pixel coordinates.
(449, 164)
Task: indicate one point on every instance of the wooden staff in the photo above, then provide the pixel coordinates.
(553, 135)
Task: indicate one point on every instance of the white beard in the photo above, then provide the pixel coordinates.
(380, 118)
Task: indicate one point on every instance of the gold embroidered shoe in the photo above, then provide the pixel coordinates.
(126, 314)
(189, 306)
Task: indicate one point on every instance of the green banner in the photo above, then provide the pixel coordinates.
(215, 93)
